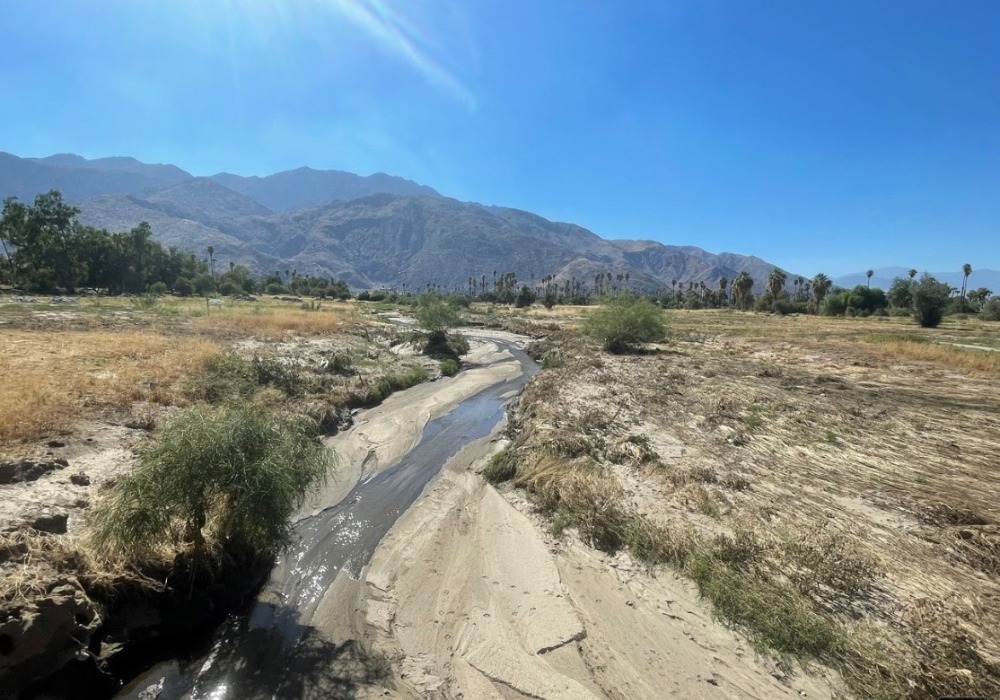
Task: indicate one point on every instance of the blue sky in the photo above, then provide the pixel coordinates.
(821, 136)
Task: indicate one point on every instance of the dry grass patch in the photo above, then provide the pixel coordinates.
(979, 362)
(275, 323)
(52, 378)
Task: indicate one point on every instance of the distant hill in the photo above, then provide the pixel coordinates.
(78, 178)
(370, 231)
(884, 276)
(408, 242)
(304, 187)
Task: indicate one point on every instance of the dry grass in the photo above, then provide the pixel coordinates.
(979, 362)
(53, 378)
(275, 323)
(858, 454)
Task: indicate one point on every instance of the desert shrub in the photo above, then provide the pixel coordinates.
(231, 476)
(774, 614)
(227, 376)
(228, 288)
(553, 359)
(930, 299)
(435, 315)
(339, 363)
(146, 301)
(449, 367)
(991, 311)
(502, 467)
(623, 324)
(183, 286)
(378, 391)
(525, 297)
(364, 296)
(274, 288)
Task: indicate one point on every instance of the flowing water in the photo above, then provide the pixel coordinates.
(272, 651)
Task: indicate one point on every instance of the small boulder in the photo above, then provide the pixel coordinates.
(80, 479)
(53, 523)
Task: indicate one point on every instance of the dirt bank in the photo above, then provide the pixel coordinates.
(469, 596)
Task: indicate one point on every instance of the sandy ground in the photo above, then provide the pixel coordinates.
(469, 596)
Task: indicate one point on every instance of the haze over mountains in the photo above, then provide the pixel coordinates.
(884, 276)
(371, 231)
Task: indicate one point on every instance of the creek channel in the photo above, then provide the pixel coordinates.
(271, 650)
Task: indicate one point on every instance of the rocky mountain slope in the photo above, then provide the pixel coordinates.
(373, 231)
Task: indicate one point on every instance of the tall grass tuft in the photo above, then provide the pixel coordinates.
(229, 476)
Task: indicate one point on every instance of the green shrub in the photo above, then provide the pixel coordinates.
(340, 363)
(435, 315)
(157, 288)
(232, 476)
(146, 301)
(384, 387)
(183, 286)
(991, 310)
(502, 467)
(930, 299)
(227, 376)
(623, 324)
(449, 367)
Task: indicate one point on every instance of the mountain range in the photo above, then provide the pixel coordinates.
(372, 231)
(884, 276)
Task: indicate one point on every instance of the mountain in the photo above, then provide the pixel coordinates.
(370, 231)
(884, 276)
(405, 241)
(78, 178)
(304, 187)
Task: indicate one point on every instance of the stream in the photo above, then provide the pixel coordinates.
(272, 650)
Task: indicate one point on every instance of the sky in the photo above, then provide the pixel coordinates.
(821, 136)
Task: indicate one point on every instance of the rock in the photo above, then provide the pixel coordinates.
(80, 479)
(39, 637)
(53, 523)
(56, 443)
(28, 470)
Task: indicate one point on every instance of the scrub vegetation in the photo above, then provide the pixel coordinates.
(826, 483)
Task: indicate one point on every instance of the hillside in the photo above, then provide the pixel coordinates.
(371, 231)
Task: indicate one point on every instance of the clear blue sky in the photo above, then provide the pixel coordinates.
(819, 135)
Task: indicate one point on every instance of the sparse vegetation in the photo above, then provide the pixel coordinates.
(863, 422)
(228, 477)
(625, 324)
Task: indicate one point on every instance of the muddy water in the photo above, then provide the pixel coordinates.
(271, 651)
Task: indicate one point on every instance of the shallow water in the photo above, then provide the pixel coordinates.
(269, 652)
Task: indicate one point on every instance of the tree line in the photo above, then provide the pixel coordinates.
(46, 249)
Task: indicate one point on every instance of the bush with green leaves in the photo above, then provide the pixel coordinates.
(230, 476)
(930, 299)
(991, 310)
(626, 323)
(435, 315)
(449, 367)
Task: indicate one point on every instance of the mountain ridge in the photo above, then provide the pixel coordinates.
(408, 237)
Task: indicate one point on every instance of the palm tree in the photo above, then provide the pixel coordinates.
(211, 259)
(912, 273)
(821, 284)
(722, 291)
(741, 289)
(776, 281)
(868, 274)
(966, 271)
